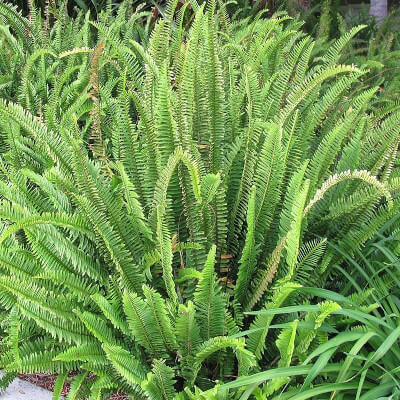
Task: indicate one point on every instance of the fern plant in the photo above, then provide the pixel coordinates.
(375, 49)
(345, 346)
(155, 193)
(342, 347)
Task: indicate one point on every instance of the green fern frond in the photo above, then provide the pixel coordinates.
(248, 259)
(285, 344)
(160, 383)
(256, 341)
(126, 365)
(187, 330)
(209, 301)
(143, 325)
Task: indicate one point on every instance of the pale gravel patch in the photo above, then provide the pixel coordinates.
(23, 390)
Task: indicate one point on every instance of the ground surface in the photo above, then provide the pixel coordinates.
(22, 390)
(33, 387)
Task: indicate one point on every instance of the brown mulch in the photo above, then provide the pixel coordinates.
(47, 381)
(119, 396)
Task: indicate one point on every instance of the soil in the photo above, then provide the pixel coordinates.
(45, 381)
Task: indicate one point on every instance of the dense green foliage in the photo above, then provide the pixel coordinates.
(162, 197)
(72, 7)
(361, 357)
(376, 49)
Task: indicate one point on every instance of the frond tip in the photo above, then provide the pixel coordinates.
(356, 174)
